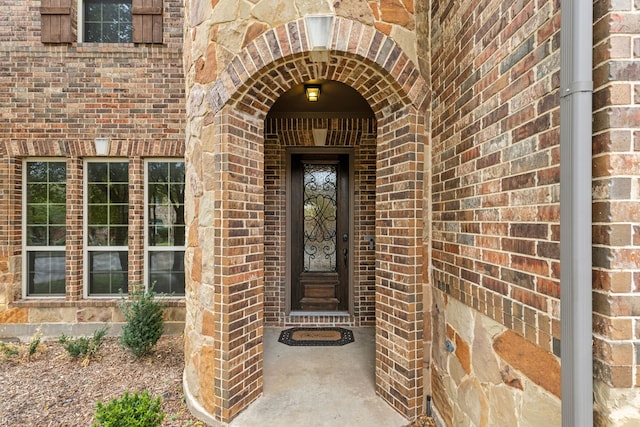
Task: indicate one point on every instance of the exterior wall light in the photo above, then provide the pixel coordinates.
(102, 146)
(312, 92)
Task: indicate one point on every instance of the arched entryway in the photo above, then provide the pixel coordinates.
(225, 211)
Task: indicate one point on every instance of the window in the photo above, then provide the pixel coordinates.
(45, 227)
(108, 21)
(165, 237)
(107, 213)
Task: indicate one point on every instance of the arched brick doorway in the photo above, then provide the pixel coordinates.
(225, 200)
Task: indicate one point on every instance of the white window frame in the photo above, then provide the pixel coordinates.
(81, 25)
(26, 248)
(147, 247)
(85, 226)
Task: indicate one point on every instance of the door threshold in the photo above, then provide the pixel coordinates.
(320, 313)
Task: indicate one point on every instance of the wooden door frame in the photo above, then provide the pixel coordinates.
(351, 221)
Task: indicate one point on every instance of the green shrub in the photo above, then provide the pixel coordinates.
(84, 346)
(144, 322)
(130, 411)
(8, 350)
(34, 343)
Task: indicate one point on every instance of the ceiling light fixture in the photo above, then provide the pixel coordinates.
(312, 92)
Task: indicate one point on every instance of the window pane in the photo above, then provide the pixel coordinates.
(37, 236)
(166, 271)
(119, 172)
(57, 193)
(108, 271)
(45, 273)
(97, 172)
(36, 172)
(107, 205)
(165, 219)
(119, 193)
(177, 172)
(57, 214)
(118, 236)
(57, 236)
(46, 198)
(98, 193)
(98, 236)
(118, 214)
(98, 214)
(57, 172)
(37, 193)
(37, 214)
(108, 21)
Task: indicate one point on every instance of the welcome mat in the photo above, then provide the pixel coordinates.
(316, 336)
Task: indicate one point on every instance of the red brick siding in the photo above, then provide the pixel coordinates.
(55, 99)
(616, 177)
(495, 161)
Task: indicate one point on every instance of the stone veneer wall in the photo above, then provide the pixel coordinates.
(495, 192)
(54, 100)
(360, 135)
(616, 213)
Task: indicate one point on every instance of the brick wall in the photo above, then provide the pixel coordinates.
(495, 194)
(55, 99)
(616, 183)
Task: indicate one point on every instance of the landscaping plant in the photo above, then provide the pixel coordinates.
(130, 411)
(34, 343)
(144, 322)
(8, 350)
(83, 345)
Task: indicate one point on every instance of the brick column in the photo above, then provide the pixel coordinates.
(399, 311)
(136, 221)
(74, 246)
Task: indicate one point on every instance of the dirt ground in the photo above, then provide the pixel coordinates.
(53, 389)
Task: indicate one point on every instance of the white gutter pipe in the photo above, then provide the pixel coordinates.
(576, 90)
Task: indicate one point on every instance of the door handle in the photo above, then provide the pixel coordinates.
(345, 253)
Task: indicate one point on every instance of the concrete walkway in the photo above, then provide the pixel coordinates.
(319, 386)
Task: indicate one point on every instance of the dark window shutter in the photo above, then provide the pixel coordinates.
(147, 21)
(56, 21)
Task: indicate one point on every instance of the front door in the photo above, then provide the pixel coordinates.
(320, 232)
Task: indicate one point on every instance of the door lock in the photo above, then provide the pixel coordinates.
(345, 237)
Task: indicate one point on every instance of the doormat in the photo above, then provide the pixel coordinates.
(316, 336)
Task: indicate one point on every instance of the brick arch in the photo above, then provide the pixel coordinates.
(361, 56)
(225, 253)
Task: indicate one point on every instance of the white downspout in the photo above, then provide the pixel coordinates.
(576, 90)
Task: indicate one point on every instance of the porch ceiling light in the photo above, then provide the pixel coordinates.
(312, 92)
(319, 31)
(102, 146)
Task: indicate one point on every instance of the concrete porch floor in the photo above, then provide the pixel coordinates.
(319, 386)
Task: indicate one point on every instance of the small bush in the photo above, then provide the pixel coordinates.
(84, 346)
(130, 411)
(8, 350)
(145, 324)
(34, 343)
